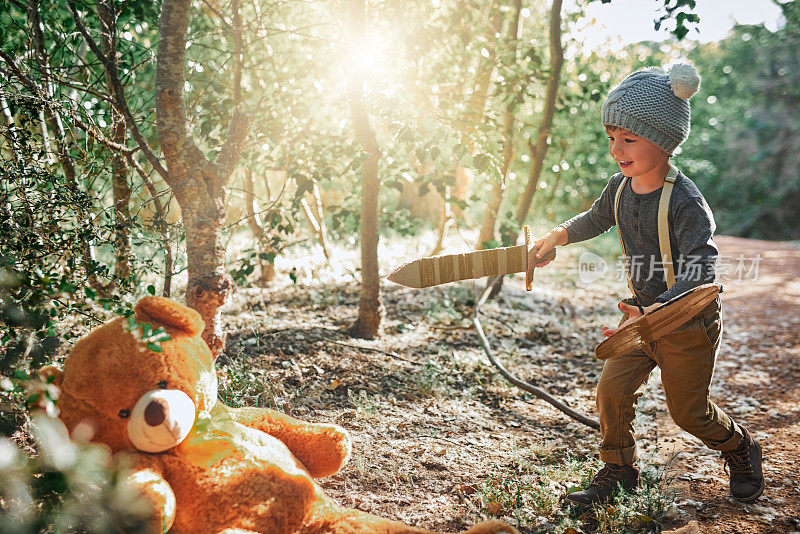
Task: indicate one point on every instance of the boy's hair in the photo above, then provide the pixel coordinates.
(653, 104)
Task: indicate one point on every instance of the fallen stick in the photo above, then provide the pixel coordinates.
(379, 351)
(530, 388)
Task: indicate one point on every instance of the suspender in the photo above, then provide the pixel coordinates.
(663, 228)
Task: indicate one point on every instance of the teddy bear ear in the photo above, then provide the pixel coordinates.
(170, 314)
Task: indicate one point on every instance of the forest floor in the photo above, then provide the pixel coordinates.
(441, 440)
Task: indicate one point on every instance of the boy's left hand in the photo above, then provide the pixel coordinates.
(633, 314)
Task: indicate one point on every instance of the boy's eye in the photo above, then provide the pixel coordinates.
(610, 138)
(630, 140)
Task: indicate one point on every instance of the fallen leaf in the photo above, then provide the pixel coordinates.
(496, 509)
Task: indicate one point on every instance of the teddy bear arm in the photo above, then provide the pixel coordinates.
(322, 448)
(147, 480)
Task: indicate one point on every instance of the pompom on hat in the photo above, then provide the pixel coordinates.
(654, 104)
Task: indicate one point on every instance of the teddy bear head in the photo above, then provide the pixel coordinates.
(133, 394)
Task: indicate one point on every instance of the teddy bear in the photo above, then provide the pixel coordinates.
(204, 466)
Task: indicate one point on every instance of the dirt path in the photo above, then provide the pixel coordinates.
(757, 382)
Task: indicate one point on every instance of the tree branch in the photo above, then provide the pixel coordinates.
(54, 108)
(118, 93)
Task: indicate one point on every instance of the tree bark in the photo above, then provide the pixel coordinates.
(13, 140)
(119, 169)
(53, 122)
(474, 114)
(198, 184)
(539, 150)
(370, 307)
(257, 226)
(316, 217)
(499, 187)
(161, 223)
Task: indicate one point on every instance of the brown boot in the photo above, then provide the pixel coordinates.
(744, 466)
(604, 483)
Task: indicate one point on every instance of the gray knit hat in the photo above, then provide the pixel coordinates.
(654, 105)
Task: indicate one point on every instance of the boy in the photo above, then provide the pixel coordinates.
(647, 118)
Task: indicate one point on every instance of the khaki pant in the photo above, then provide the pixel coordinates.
(686, 358)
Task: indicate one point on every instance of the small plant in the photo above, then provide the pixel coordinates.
(67, 487)
(531, 489)
(242, 385)
(326, 297)
(366, 405)
(144, 332)
(430, 379)
(638, 511)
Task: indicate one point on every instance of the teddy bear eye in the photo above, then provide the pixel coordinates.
(162, 384)
(124, 413)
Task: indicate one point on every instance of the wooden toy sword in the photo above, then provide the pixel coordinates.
(436, 270)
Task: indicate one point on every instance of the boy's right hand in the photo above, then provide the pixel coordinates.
(555, 237)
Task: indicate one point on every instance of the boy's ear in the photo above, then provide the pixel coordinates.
(51, 370)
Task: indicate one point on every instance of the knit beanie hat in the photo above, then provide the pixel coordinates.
(654, 105)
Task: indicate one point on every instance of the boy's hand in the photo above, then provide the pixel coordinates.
(549, 241)
(633, 314)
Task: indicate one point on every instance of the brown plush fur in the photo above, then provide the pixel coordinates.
(249, 469)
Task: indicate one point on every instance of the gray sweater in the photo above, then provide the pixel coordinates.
(691, 230)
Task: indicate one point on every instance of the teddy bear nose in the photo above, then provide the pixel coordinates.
(156, 412)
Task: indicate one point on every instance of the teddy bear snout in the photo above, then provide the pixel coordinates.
(156, 412)
(160, 420)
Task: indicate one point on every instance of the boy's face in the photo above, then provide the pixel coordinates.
(636, 156)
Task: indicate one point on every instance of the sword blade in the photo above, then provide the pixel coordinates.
(436, 270)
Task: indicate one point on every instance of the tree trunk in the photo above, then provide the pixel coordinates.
(197, 183)
(499, 187)
(539, 150)
(119, 169)
(161, 223)
(52, 121)
(475, 112)
(316, 218)
(370, 307)
(63, 144)
(257, 226)
(13, 140)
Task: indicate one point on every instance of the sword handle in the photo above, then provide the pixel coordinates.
(528, 269)
(549, 256)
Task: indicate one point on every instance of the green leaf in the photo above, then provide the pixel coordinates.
(155, 347)
(151, 289)
(160, 336)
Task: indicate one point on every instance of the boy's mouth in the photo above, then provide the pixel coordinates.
(624, 163)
